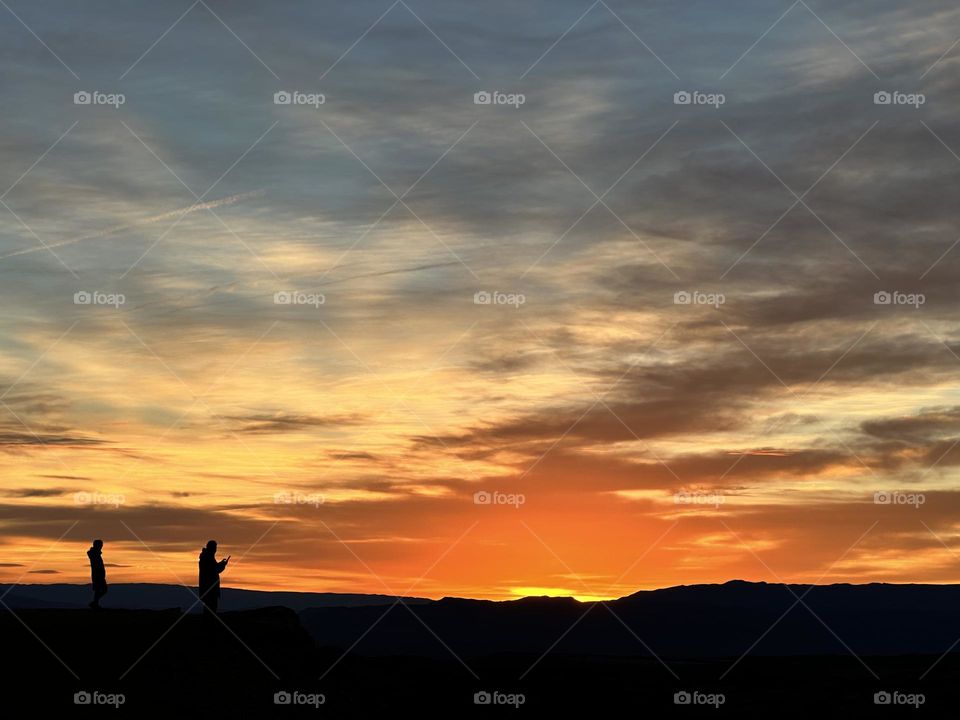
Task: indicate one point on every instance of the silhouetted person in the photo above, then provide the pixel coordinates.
(98, 573)
(210, 570)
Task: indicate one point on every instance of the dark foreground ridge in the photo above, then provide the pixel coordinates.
(162, 596)
(831, 654)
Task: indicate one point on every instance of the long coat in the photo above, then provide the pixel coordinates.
(98, 573)
(210, 571)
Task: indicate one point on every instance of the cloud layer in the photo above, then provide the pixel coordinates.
(718, 336)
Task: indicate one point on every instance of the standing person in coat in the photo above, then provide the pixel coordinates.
(98, 573)
(209, 584)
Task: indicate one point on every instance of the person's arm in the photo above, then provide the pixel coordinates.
(222, 565)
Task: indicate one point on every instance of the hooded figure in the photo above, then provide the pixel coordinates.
(98, 573)
(210, 571)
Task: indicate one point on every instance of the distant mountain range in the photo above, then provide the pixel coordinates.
(698, 621)
(695, 621)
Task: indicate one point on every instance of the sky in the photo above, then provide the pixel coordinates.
(584, 339)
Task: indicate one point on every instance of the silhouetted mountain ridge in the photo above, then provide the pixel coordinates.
(689, 621)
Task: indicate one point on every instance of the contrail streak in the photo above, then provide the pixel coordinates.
(209, 205)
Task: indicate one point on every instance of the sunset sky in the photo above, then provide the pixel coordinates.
(654, 443)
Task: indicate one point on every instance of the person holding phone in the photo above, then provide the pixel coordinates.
(209, 582)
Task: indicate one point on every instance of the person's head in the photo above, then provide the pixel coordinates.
(212, 546)
(97, 544)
